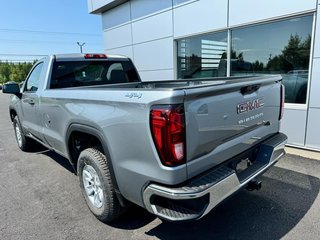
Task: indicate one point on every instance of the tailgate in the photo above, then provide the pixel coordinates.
(224, 120)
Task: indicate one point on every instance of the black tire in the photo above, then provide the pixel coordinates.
(111, 208)
(23, 142)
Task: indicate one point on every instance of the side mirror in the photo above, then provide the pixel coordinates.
(12, 88)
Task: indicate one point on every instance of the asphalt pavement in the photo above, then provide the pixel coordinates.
(40, 198)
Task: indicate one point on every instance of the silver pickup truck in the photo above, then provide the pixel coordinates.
(177, 148)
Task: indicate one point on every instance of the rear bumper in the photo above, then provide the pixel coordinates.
(203, 193)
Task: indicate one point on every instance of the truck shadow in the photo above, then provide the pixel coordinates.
(37, 148)
(60, 160)
(286, 196)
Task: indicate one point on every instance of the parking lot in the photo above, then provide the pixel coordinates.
(40, 198)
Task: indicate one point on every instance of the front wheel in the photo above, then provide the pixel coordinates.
(22, 141)
(96, 185)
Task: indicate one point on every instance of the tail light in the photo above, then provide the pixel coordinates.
(94, 56)
(282, 96)
(168, 131)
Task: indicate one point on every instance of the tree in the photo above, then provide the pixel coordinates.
(295, 55)
(14, 71)
(4, 72)
(257, 66)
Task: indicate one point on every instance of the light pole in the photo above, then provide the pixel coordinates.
(81, 45)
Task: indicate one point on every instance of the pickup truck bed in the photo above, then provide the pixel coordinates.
(177, 148)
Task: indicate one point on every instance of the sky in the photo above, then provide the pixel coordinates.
(43, 27)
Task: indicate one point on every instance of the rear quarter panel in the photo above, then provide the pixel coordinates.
(122, 117)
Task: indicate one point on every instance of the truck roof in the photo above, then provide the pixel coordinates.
(83, 56)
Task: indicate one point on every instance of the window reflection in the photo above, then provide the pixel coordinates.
(281, 47)
(203, 56)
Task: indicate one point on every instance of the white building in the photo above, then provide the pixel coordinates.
(170, 39)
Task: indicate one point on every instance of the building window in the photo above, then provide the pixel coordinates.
(202, 56)
(281, 47)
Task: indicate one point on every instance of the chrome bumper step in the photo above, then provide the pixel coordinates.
(202, 194)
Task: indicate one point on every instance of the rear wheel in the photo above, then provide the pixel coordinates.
(96, 185)
(22, 141)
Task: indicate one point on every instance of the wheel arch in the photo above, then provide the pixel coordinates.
(12, 113)
(86, 130)
(78, 129)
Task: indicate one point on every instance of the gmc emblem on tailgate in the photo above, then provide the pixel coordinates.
(250, 105)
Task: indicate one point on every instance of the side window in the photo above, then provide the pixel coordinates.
(34, 78)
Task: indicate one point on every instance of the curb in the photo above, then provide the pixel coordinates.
(303, 153)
